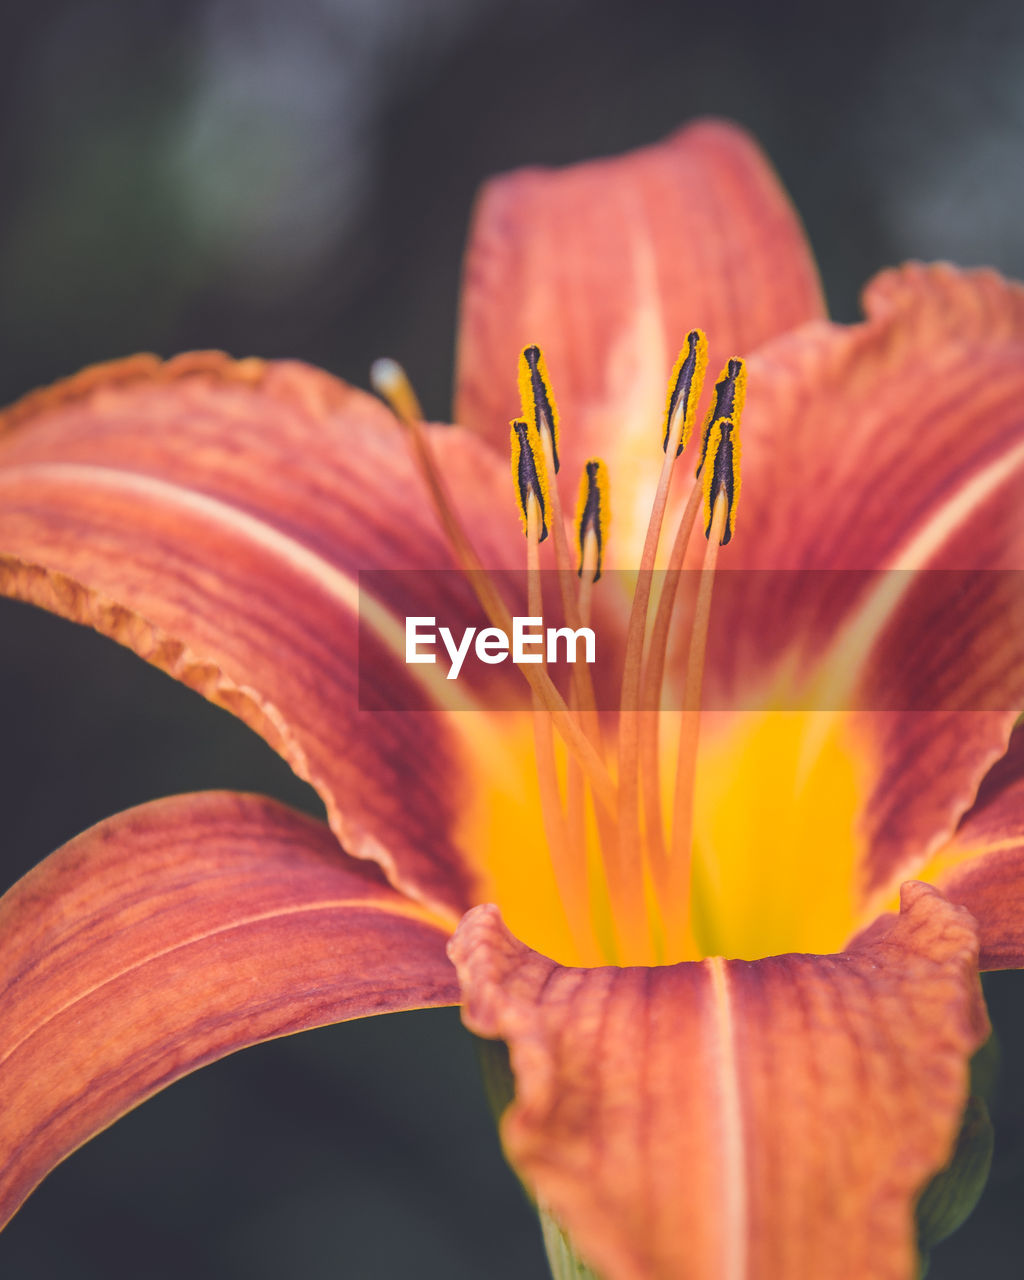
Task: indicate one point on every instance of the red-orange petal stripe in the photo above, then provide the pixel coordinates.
(215, 516)
(176, 933)
(731, 1120)
(608, 265)
(898, 442)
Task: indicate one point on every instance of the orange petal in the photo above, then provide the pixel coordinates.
(607, 265)
(982, 867)
(176, 933)
(726, 1118)
(857, 438)
(214, 516)
(898, 443)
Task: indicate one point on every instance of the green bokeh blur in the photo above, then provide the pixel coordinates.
(295, 180)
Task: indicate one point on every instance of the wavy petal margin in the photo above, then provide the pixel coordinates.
(607, 265)
(727, 1119)
(982, 867)
(171, 935)
(214, 516)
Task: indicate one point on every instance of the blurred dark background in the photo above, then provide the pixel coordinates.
(294, 179)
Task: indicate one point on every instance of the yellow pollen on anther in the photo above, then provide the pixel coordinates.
(592, 513)
(529, 474)
(538, 403)
(730, 396)
(684, 388)
(721, 477)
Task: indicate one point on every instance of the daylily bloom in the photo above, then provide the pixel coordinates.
(740, 1041)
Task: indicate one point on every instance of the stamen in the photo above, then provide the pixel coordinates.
(529, 474)
(390, 381)
(628, 872)
(567, 863)
(676, 902)
(539, 409)
(720, 488)
(654, 675)
(591, 551)
(679, 415)
(684, 389)
(730, 394)
(592, 518)
(723, 476)
(590, 879)
(537, 400)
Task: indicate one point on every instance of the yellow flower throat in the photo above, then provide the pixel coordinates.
(657, 834)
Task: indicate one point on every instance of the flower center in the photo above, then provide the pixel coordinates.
(621, 858)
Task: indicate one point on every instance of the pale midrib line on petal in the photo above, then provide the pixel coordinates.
(951, 858)
(841, 667)
(637, 369)
(733, 1190)
(858, 636)
(410, 910)
(332, 581)
(994, 846)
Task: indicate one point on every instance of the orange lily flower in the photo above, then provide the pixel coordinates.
(747, 1056)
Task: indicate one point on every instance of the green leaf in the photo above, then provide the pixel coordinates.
(499, 1083)
(950, 1197)
(562, 1257)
